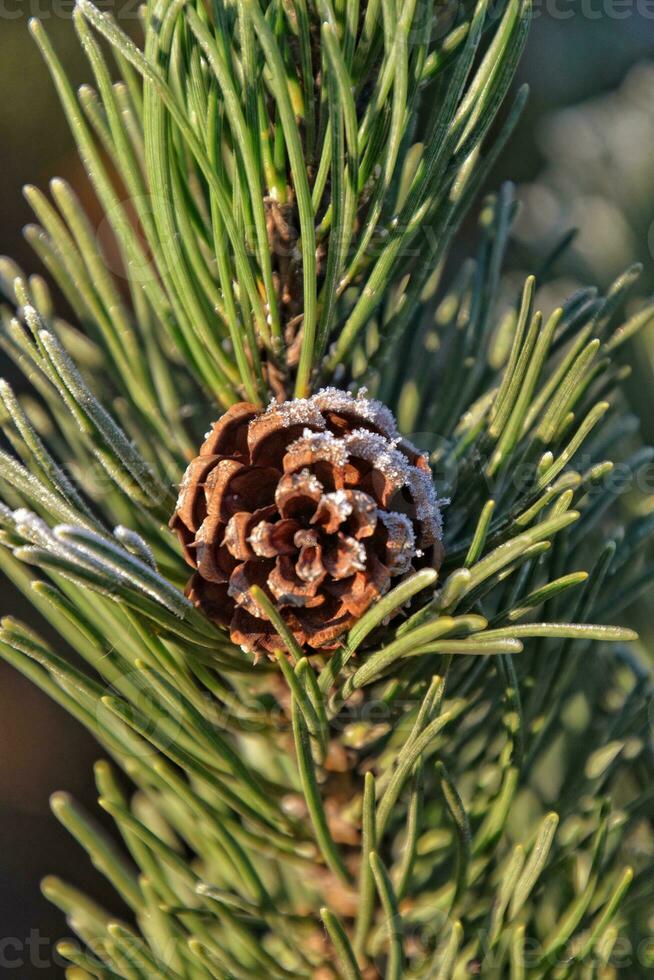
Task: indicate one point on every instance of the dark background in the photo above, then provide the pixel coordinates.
(577, 51)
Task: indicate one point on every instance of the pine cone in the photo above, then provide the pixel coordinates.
(319, 502)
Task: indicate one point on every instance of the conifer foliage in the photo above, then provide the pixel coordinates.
(461, 784)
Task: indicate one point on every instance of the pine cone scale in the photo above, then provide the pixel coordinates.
(318, 502)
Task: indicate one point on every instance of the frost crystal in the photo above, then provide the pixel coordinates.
(341, 504)
(257, 536)
(34, 528)
(335, 400)
(359, 559)
(381, 454)
(426, 501)
(299, 411)
(395, 466)
(306, 480)
(184, 487)
(323, 445)
(401, 540)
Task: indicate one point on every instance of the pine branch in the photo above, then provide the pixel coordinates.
(284, 183)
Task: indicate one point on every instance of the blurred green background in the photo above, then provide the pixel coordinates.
(583, 156)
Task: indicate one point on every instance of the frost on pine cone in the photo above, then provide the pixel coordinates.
(317, 501)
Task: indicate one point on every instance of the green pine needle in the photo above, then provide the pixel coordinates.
(284, 183)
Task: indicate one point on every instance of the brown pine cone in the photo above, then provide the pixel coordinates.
(319, 502)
